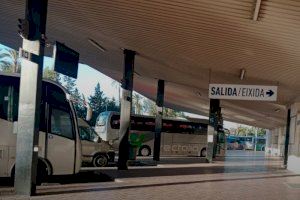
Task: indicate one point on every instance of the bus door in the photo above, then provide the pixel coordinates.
(60, 133)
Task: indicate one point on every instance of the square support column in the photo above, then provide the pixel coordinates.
(30, 100)
(287, 138)
(158, 119)
(212, 129)
(126, 103)
(293, 141)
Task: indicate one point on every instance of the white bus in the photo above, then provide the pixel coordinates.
(60, 150)
(179, 137)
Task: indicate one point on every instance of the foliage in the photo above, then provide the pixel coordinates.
(149, 107)
(137, 103)
(111, 105)
(97, 102)
(117, 85)
(9, 61)
(51, 75)
(170, 113)
(69, 84)
(79, 105)
(249, 131)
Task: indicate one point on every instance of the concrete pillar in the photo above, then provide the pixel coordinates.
(275, 141)
(268, 142)
(212, 129)
(293, 158)
(275, 135)
(158, 119)
(29, 101)
(287, 137)
(126, 104)
(281, 140)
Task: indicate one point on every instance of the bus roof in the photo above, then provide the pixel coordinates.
(17, 75)
(204, 121)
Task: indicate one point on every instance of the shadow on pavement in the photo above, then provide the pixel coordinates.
(79, 190)
(82, 177)
(177, 171)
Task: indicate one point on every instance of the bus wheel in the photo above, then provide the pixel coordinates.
(203, 152)
(145, 151)
(100, 160)
(42, 173)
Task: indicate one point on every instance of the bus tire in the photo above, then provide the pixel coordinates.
(41, 173)
(12, 176)
(100, 160)
(203, 152)
(145, 150)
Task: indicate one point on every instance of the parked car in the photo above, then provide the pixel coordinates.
(95, 151)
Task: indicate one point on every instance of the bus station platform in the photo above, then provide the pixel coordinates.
(243, 175)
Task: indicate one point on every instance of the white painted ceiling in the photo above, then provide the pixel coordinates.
(187, 43)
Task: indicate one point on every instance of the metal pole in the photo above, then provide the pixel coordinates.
(158, 119)
(29, 104)
(255, 144)
(126, 104)
(287, 138)
(212, 128)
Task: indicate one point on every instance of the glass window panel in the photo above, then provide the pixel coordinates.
(61, 123)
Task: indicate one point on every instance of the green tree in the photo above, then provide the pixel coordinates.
(79, 104)
(137, 103)
(261, 132)
(117, 85)
(170, 113)
(242, 130)
(97, 102)
(111, 105)
(69, 84)
(149, 107)
(51, 75)
(250, 131)
(9, 61)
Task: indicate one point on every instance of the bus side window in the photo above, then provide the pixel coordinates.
(9, 102)
(4, 102)
(115, 121)
(61, 123)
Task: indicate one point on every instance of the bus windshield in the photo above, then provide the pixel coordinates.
(101, 121)
(88, 133)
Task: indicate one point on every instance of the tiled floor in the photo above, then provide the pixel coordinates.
(243, 175)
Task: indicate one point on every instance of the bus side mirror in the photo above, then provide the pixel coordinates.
(89, 113)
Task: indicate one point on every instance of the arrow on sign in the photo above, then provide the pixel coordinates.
(270, 93)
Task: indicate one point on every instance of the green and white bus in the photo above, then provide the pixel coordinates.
(179, 137)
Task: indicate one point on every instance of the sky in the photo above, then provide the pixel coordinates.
(89, 77)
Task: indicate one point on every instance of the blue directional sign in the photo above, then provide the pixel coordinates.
(243, 92)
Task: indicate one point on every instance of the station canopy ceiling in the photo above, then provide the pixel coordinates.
(189, 44)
